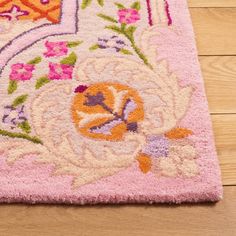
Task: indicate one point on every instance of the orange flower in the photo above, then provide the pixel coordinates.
(107, 111)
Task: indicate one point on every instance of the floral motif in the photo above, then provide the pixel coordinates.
(166, 157)
(55, 49)
(107, 111)
(13, 116)
(31, 10)
(109, 115)
(21, 71)
(179, 162)
(60, 71)
(119, 102)
(14, 13)
(128, 16)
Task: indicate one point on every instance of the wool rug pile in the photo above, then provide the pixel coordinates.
(102, 101)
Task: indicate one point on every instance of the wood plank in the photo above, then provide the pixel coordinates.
(194, 220)
(215, 30)
(212, 3)
(225, 136)
(219, 76)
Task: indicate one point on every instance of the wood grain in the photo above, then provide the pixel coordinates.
(212, 3)
(225, 136)
(220, 81)
(202, 219)
(215, 30)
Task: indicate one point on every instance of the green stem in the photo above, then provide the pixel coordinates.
(137, 49)
(20, 135)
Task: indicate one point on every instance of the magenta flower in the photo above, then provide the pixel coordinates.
(21, 72)
(128, 16)
(56, 49)
(60, 71)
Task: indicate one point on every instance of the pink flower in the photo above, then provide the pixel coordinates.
(56, 49)
(21, 71)
(60, 71)
(128, 16)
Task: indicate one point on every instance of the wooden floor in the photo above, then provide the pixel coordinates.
(215, 27)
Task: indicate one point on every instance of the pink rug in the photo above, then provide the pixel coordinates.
(102, 101)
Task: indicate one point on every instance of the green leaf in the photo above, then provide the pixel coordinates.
(12, 87)
(101, 2)
(94, 47)
(41, 81)
(35, 61)
(120, 6)
(123, 26)
(74, 44)
(130, 31)
(25, 126)
(126, 51)
(85, 3)
(21, 136)
(114, 28)
(70, 60)
(19, 100)
(136, 5)
(107, 18)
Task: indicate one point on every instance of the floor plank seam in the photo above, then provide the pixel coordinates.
(223, 113)
(216, 55)
(212, 7)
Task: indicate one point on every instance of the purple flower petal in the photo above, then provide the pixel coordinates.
(157, 146)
